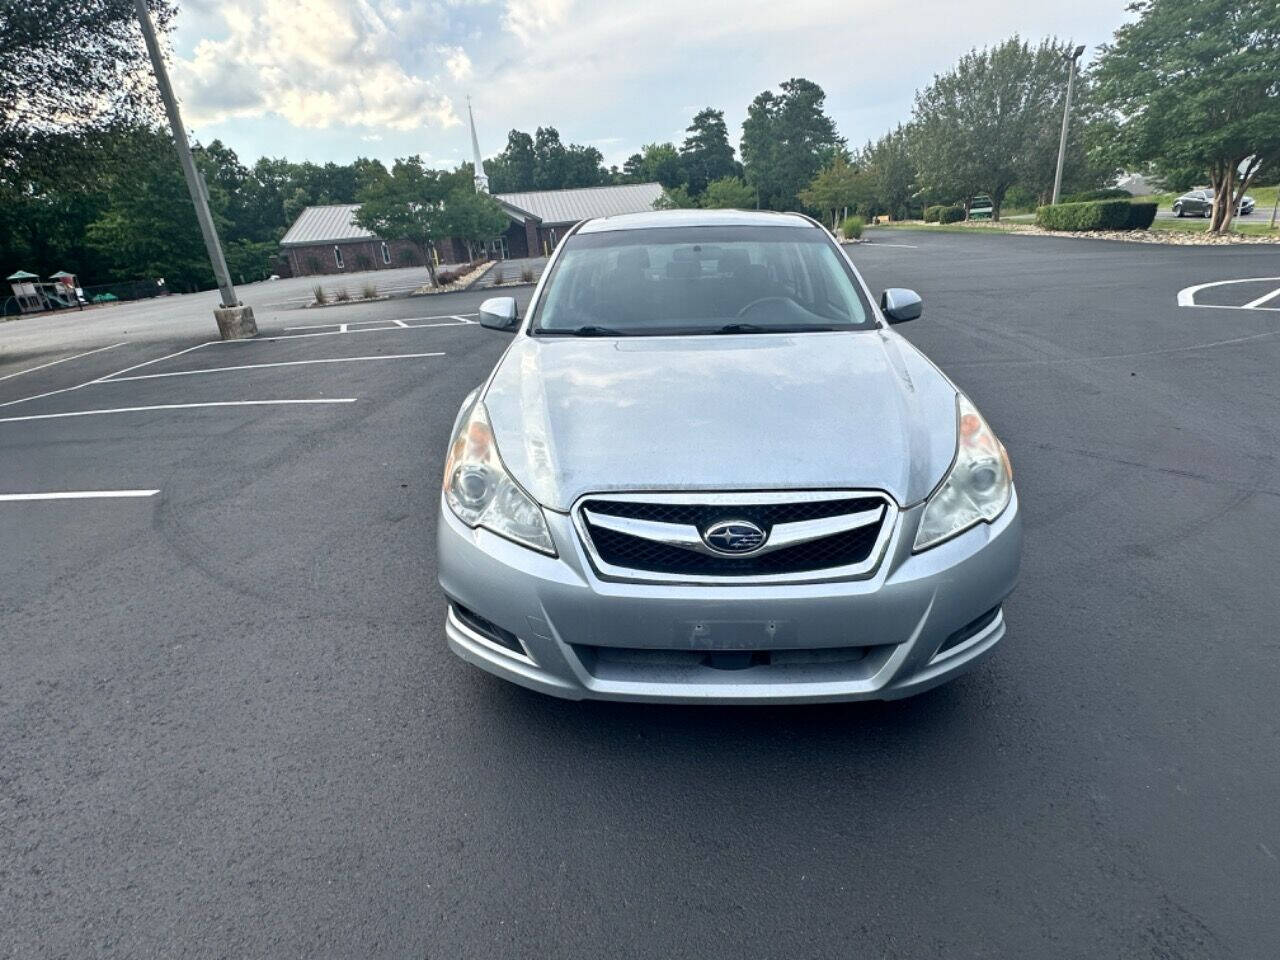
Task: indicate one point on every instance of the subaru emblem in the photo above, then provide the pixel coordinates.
(734, 537)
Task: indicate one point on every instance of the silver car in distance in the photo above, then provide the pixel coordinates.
(706, 470)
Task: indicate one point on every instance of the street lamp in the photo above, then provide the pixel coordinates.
(1072, 59)
(234, 320)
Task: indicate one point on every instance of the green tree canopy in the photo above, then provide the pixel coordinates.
(1195, 85)
(837, 186)
(407, 205)
(706, 154)
(728, 193)
(543, 162)
(474, 218)
(890, 174)
(974, 126)
(70, 67)
(786, 139)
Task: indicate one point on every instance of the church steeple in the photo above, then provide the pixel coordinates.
(482, 182)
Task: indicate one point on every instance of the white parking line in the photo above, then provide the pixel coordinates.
(1254, 304)
(338, 333)
(281, 363)
(1187, 295)
(361, 323)
(80, 495)
(89, 383)
(54, 363)
(175, 406)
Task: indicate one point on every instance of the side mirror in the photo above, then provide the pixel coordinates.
(499, 313)
(897, 305)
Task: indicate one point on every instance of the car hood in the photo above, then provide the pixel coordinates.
(865, 409)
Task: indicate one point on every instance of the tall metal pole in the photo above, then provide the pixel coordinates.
(195, 183)
(1066, 119)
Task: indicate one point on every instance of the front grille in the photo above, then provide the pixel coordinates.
(620, 553)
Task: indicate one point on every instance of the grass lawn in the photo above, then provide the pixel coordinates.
(1254, 226)
(981, 227)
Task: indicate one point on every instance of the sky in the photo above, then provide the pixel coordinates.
(337, 79)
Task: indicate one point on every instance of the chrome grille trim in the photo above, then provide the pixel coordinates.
(687, 536)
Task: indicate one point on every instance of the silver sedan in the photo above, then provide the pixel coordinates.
(707, 470)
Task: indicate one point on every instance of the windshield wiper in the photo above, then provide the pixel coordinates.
(778, 328)
(587, 330)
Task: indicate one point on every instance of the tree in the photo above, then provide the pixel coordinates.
(633, 169)
(706, 154)
(890, 173)
(71, 67)
(675, 198)
(1196, 85)
(728, 193)
(975, 125)
(786, 139)
(407, 205)
(836, 186)
(511, 171)
(147, 226)
(661, 162)
(474, 218)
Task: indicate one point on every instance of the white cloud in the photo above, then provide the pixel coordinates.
(318, 63)
(456, 62)
(530, 19)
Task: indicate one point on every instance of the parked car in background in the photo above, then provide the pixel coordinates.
(981, 208)
(1199, 203)
(708, 470)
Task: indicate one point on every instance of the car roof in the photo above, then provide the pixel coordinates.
(695, 218)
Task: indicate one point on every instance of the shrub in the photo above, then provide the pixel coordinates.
(526, 275)
(341, 295)
(498, 277)
(369, 291)
(1106, 193)
(951, 214)
(318, 292)
(446, 277)
(931, 214)
(1141, 216)
(851, 227)
(1091, 215)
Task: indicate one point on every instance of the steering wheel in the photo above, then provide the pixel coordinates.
(755, 303)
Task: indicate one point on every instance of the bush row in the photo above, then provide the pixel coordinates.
(951, 214)
(1096, 215)
(1106, 193)
(851, 227)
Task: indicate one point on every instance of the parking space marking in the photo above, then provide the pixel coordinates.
(89, 383)
(176, 406)
(54, 363)
(80, 495)
(338, 333)
(1254, 304)
(281, 363)
(360, 323)
(1187, 295)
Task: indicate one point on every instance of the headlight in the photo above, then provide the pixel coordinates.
(481, 493)
(978, 486)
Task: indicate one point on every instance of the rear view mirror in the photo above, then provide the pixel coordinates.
(899, 305)
(499, 313)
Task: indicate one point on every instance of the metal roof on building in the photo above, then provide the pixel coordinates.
(328, 224)
(332, 223)
(582, 203)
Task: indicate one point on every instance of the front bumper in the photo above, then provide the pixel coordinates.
(583, 637)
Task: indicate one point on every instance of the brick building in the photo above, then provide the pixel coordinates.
(324, 240)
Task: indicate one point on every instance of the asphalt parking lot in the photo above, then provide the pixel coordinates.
(229, 726)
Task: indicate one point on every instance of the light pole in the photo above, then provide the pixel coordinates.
(235, 322)
(1071, 58)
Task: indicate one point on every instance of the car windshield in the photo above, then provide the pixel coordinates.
(692, 280)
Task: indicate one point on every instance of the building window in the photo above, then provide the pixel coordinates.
(386, 253)
(337, 257)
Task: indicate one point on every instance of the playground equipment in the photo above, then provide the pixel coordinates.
(33, 295)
